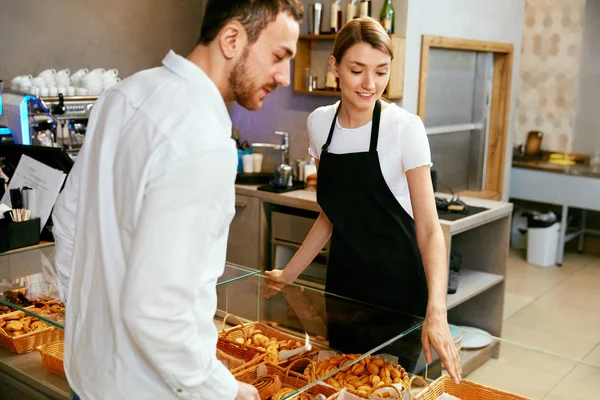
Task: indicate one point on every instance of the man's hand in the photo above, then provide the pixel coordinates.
(436, 333)
(246, 392)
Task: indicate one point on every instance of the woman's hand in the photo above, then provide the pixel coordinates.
(436, 333)
(276, 280)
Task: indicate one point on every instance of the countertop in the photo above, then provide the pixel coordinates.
(544, 165)
(307, 200)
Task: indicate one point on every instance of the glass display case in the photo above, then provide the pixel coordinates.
(497, 367)
(28, 284)
(366, 340)
(26, 275)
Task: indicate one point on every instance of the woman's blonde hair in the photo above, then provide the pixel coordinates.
(364, 29)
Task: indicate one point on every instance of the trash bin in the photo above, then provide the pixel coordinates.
(518, 230)
(543, 232)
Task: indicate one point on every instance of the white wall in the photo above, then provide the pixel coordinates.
(492, 20)
(587, 121)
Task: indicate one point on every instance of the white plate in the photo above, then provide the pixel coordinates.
(475, 338)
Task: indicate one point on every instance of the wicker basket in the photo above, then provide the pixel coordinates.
(237, 350)
(397, 393)
(242, 329)
(288, 378)
(248, 352)
(52, 358)
(28, 342)
(465, 390)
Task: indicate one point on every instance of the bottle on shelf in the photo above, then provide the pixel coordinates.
(365, 8)
(351, 10)
(386, 17)
(336, 16)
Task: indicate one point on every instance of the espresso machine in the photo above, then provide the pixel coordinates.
(58, 121)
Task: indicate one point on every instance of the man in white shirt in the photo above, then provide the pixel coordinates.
(142, 224)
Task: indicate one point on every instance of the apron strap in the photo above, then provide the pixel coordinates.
(330, 136)
(375, 127)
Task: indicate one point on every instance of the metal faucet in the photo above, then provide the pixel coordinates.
(284, 146)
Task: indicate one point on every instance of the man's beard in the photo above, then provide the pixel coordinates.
(244, 90)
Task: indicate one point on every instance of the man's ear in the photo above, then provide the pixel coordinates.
(232, 39)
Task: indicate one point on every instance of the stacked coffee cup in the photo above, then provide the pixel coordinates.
(81, 83)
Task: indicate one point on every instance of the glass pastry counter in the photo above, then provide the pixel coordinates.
(28, 284)
(491, 365)
(27, 275)
(332, 323)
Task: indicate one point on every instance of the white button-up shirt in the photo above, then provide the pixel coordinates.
(141, 230)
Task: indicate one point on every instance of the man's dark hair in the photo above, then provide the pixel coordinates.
(254, 15)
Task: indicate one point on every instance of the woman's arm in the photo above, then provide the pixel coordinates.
(430, 237)
(312, 245)
(430, 240)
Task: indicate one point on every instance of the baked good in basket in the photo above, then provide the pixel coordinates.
(259, 336)
(19, 323)
(17, 297)
(267, 386)
(284, 392)
(361, 378)
(4, 309)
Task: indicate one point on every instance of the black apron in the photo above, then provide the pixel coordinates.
(374, 257)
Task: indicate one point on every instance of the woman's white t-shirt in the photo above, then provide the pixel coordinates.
(402, 145)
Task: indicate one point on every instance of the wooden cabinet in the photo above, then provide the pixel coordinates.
(309, 44)
(243, 247)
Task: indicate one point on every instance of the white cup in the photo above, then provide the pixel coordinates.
(47, 73)
(63, 73)
(23, 80)
(81, 91)
(257, 159)
(63, 82)
(76, 78)
(53, 91)
(35, 91)
(62, 89)
(70, 91)
(98, 72)
(50, 81)
(248, 163)
(109, 82)
(95, 90)
(111, 73)
(25, 88)
(39, 81)
(93, 83)
(44, 92)
(80, 73)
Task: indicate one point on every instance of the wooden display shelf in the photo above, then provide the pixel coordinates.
(302, 61)
(470, 284)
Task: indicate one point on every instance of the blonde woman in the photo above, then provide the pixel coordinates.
(374, 187)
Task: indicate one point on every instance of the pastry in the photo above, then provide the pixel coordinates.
(361, 378)
(13, 326)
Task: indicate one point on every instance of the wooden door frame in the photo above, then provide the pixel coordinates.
(500, 108)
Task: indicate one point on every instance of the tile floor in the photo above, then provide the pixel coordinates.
(557, 310)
